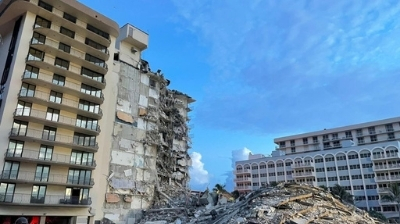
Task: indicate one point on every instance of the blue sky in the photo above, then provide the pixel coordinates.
(265, 69)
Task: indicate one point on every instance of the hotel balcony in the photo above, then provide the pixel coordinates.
(243, 179)
(386, 167)
(386, 202)
(303, 165)
(388, 156)
(41, 178)
(55, 159)
(48, 200)
(68, 87)
(242, 171)
(72, 71)
(383, 190)
(303, 174)
(243, 188)
(134, 36)
(69, 105)
(387, 178)
(68, 141)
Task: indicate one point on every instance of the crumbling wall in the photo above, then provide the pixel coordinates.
(149, 162)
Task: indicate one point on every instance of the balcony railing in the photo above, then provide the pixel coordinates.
(39, 114)
(54, 158)
(302, 165)
(57, 138)
(53, 200)
(387, 167)
(243, 179)
(46, 178)
(243, 171)
(303, 174)
(387, 156)
(243, 188)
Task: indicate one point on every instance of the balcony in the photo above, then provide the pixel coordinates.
(386, 167)
(242, 171)
(303, 165)
(54, 140)
(392, 155)
(48, 200)
(53, 179)
(303, 174)
(383, 190)
(243, 188)
(51, 120)
(387, 178)
(72, 71)
(134, 36)
(244, 179)
(55, 159)
(69, 105)
(386, 202)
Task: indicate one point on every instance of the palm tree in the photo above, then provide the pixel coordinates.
(235, 194)
(393, 195)
(323, 187)
(377, 215)
(342, 193)
(219, 188)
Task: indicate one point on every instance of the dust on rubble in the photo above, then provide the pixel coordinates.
(284, 204)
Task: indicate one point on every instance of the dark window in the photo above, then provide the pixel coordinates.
(46, 152)
(38, 38)
(38, 194)
(89, 106)
(85, 122)
(41, 22)
(19, 128)
(391, 136)
(92, 74)
(23, 108)
(35, 55)
(10, 170)
(67, 32)
(61, 63)
(49, 133)
(79, 176)
(58, 80)
(152, 83)
(15, 148)
(98, 32)
(84, 140)
(96, 45)
(389, 127)
(82, 158)
(64, 47)
(52, 114)
(6, 192)
(69, 17)
(46, 6)
(42, 173)
(91, 90)
(31, 72)
(373, 138)
(95, 60)
(55, 97)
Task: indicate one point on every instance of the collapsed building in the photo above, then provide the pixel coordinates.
(149, 160)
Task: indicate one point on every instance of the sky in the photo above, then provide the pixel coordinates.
(264, 69)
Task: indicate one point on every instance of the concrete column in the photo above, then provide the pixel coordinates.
(91, 220)
(42, 219)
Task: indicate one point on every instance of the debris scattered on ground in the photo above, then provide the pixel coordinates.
(285, 204)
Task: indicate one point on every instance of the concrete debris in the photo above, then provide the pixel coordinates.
(125, 117)
(285, 204)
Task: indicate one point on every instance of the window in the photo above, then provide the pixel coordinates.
(85, 122)
(91, 90)
(55, 97)
(152, 83)
(45, 5)
(288, 163)
(69, 17)
(38, 194)
(336, 144)
(359, 132)
(96, 45)
(80, 195)
(263, 175)
(88, 106)
(293, 149)
(19, 128)
(84, 140)
(67, 32)
(52, 114)
(372, 186)
(356, 177)
(97, 31)
(6, 192)
(10, 170)
(46, 152)
(82, 158)
(254, 167)
(64, 47)
(367, 165)
(42, 173)
(327, 145)
(359, 198)
(305, 141)
(369, 176)
(360, 140)
(292, 143)
(23, 108)
(41, 22)
(282, 144)
(329, 159)
(354, 167)
(31, 72)
(92, 75)
(371, 130)
(49, 133)
(35, 55)
(338, 158)
(342, 168)
(271, 165)
(319, 160)
(332, 168)
(58, 80)
(289, 173)
(321, 179)
(271, 174)
(254, 176)
(354, 156)
(281, 173)
(61, 63)
(79, 177)
(365, 155)
(332, 179)
(335, 136)
(358, 187)
(391, 136)
(348, 134)
(279, 165)
(263, 167)
(95, 60)
(320, 169)
(344, 178)
(325, 138)
(15, 148)
(27, 90)
(373, 197)
(38, 38)
(315, 139)
(389, 127)
(373, 138)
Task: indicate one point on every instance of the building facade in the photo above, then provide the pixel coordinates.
(362, 158)
(89, 131)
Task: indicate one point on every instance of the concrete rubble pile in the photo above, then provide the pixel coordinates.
(284, 204)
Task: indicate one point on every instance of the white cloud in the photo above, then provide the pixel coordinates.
(237, 155)
(198, 175)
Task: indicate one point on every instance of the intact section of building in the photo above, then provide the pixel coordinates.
(363, 158)
(148, 157)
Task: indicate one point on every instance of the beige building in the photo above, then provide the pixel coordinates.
(362, 158)
(84, 121)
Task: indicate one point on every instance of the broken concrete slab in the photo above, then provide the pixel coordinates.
(125, 117)
(112, 198)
